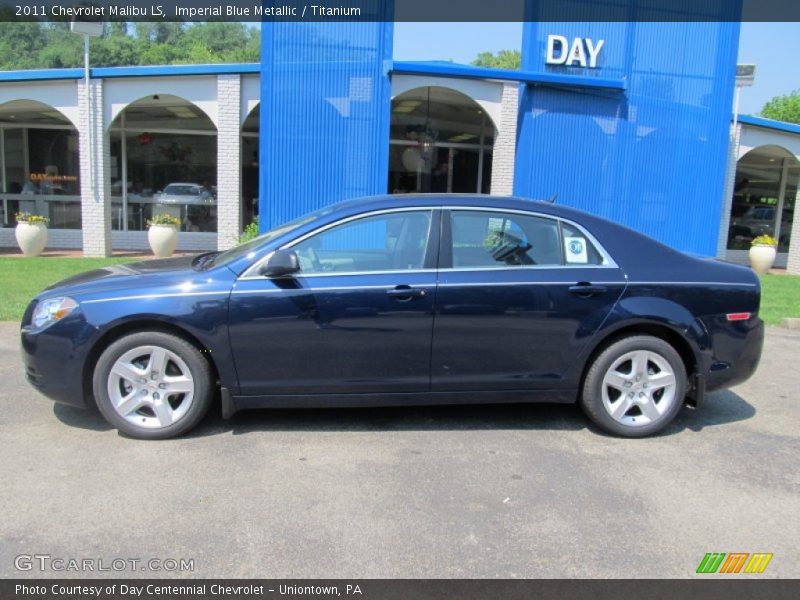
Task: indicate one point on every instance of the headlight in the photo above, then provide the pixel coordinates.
(51, 310)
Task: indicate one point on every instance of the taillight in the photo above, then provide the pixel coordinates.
(738, 316)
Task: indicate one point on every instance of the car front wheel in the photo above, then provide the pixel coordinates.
(635, 387)
(152, 385)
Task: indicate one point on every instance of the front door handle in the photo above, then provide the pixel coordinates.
(587, 289)
(404, 293)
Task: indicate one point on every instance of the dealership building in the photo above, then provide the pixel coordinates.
(633, 121)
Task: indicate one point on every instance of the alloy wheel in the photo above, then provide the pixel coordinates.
(151, 387)
(638, 388)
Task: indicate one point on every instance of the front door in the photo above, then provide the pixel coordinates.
(357, 318)
(519, 297)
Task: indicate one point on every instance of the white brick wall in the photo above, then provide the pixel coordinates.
(72, 239)
(187, 242)
(95, 204)
(229, 161)
(727, 198)
(505, 144)
(56, 238)
(793, 258)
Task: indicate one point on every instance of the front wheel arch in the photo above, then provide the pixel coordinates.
(138, 326)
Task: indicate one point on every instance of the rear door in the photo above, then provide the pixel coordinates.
(518, 298)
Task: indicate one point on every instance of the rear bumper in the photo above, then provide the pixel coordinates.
(737, 352)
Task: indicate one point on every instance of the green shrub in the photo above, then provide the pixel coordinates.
(250, 232)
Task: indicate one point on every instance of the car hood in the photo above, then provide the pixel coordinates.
(143, 277)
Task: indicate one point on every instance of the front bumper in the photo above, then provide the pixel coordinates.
(54, 360)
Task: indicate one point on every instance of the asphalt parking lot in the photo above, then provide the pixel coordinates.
(502, 491)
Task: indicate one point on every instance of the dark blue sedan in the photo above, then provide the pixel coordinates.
(401, 301)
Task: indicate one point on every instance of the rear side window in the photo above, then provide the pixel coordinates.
(495, 239)
(578, 250)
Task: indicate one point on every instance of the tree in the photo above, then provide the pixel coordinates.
(20, 44)
(115, 51)
(783, 108)
(52, 45)
(159, 33)
(505, 59)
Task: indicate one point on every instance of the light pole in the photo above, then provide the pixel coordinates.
(88, 29)
(745, 76)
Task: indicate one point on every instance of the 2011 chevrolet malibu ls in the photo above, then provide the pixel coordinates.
(402, 300)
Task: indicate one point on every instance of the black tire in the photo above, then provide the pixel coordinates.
(198, 366)
(591, 394)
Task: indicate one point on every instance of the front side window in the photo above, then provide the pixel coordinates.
(386, 242)
(495, 239)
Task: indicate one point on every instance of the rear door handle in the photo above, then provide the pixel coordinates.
(587, 289)
(406, 292)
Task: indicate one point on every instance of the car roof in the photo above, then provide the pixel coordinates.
(385, 201)
(612, 236)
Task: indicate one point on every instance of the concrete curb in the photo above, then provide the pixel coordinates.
(791, 323)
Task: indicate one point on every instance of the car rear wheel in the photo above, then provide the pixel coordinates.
(635, 387)
(152, 385)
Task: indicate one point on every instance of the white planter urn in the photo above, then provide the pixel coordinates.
(162, 239)
(31, 237)
(762, 258)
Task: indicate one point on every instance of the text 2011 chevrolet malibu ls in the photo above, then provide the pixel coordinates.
(413, 300)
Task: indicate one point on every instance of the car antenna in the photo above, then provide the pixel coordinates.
(553, 198)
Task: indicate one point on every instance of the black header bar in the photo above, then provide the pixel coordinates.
(401, 10)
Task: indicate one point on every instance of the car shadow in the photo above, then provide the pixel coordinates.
(720, 408)
(82, 418)
(405, 418)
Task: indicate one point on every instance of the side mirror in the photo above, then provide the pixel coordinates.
(282, 262)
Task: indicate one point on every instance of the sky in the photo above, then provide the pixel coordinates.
(773, 47)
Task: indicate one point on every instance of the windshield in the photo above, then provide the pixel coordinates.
(248, 247)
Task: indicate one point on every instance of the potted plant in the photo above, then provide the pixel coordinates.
(162, 234)
(31, 233)
(763, 250)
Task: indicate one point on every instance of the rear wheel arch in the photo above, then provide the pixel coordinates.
(635, 386)
(138, 326)
(661, 331)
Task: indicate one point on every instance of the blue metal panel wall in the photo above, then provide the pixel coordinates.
(325, 107)
(652, 157)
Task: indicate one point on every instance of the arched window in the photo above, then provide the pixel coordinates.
(39, 164)
(440, 141)
(163, 161)
(764, 197)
